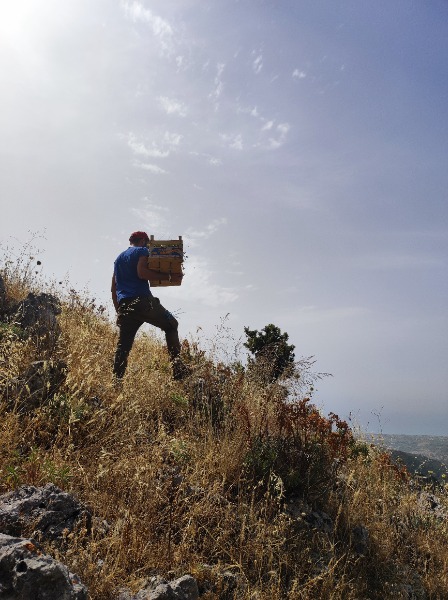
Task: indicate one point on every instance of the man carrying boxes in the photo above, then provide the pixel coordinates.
(135, 304)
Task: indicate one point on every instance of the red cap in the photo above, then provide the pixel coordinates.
(138, 235)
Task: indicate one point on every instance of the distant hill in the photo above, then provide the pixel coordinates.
(432, 446)
(422, 454)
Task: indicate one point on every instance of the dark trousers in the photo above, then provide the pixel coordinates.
(132, 313)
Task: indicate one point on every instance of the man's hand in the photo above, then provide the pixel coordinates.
(144, 272)
(113, 289)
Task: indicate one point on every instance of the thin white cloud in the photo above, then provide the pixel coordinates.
(277, 133)
(168, 142)
(139, 148)
(237, 143)
(172, 139)
(172, 106)
(282, 131)
(149, 167)
(211, 160)
(267, 126)
(257, 64)
(218, 83)
(151, 217)
(195, 236)
(162, 30)
(233, 141)
(252, 111)
(218, 90)
(297, 74)
(283, 128)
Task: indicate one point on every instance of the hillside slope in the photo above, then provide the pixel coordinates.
(216, 475)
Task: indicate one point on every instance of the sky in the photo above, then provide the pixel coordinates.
(299, 147)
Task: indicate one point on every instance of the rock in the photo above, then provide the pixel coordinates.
(229, 585)
(360, 537)
(3, 299)
(41, 380)
(216, 583)
(48, 511)
(124, 594)
(37, 310)
(184, 588)
(319, 520)
(162, 592)
(296, 507)
(37, 315)
(428, 503)
(157, 588)
(26, 573)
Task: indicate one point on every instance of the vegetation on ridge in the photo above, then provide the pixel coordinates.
(225, 472)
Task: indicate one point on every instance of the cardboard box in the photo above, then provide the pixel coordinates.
(165, 256)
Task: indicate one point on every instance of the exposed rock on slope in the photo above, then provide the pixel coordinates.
(26, 573)
(47, 511)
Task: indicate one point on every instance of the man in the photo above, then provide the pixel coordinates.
(136, 305)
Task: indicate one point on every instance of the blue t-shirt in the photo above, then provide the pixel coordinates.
(129, 284)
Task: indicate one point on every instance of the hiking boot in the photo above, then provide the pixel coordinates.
(180, 370)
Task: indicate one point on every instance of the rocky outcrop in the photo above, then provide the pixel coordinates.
(38, 383)
(37, 315)
(26, 573)
(45, 512)
(37, 312)
(320, 521)
(157, 588)
(3, 300)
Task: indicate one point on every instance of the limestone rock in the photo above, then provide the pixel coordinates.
(37, 315)
(48, 511)
(184, 588)
(3, 299)
(360, 537)
(26, 573)
(39, 382)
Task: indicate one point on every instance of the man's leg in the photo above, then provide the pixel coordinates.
(129, 325)
(157, 315)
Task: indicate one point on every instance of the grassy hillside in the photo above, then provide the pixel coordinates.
(216, 474)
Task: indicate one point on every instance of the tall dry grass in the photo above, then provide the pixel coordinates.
(220, 473)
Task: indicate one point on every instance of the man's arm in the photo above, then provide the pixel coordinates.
(152, 275)
(113, 289)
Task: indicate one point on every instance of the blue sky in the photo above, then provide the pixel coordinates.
(300, 148)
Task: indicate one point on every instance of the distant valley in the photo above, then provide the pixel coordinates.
(422, 454)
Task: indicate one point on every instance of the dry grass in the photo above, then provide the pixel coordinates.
(198, 477)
